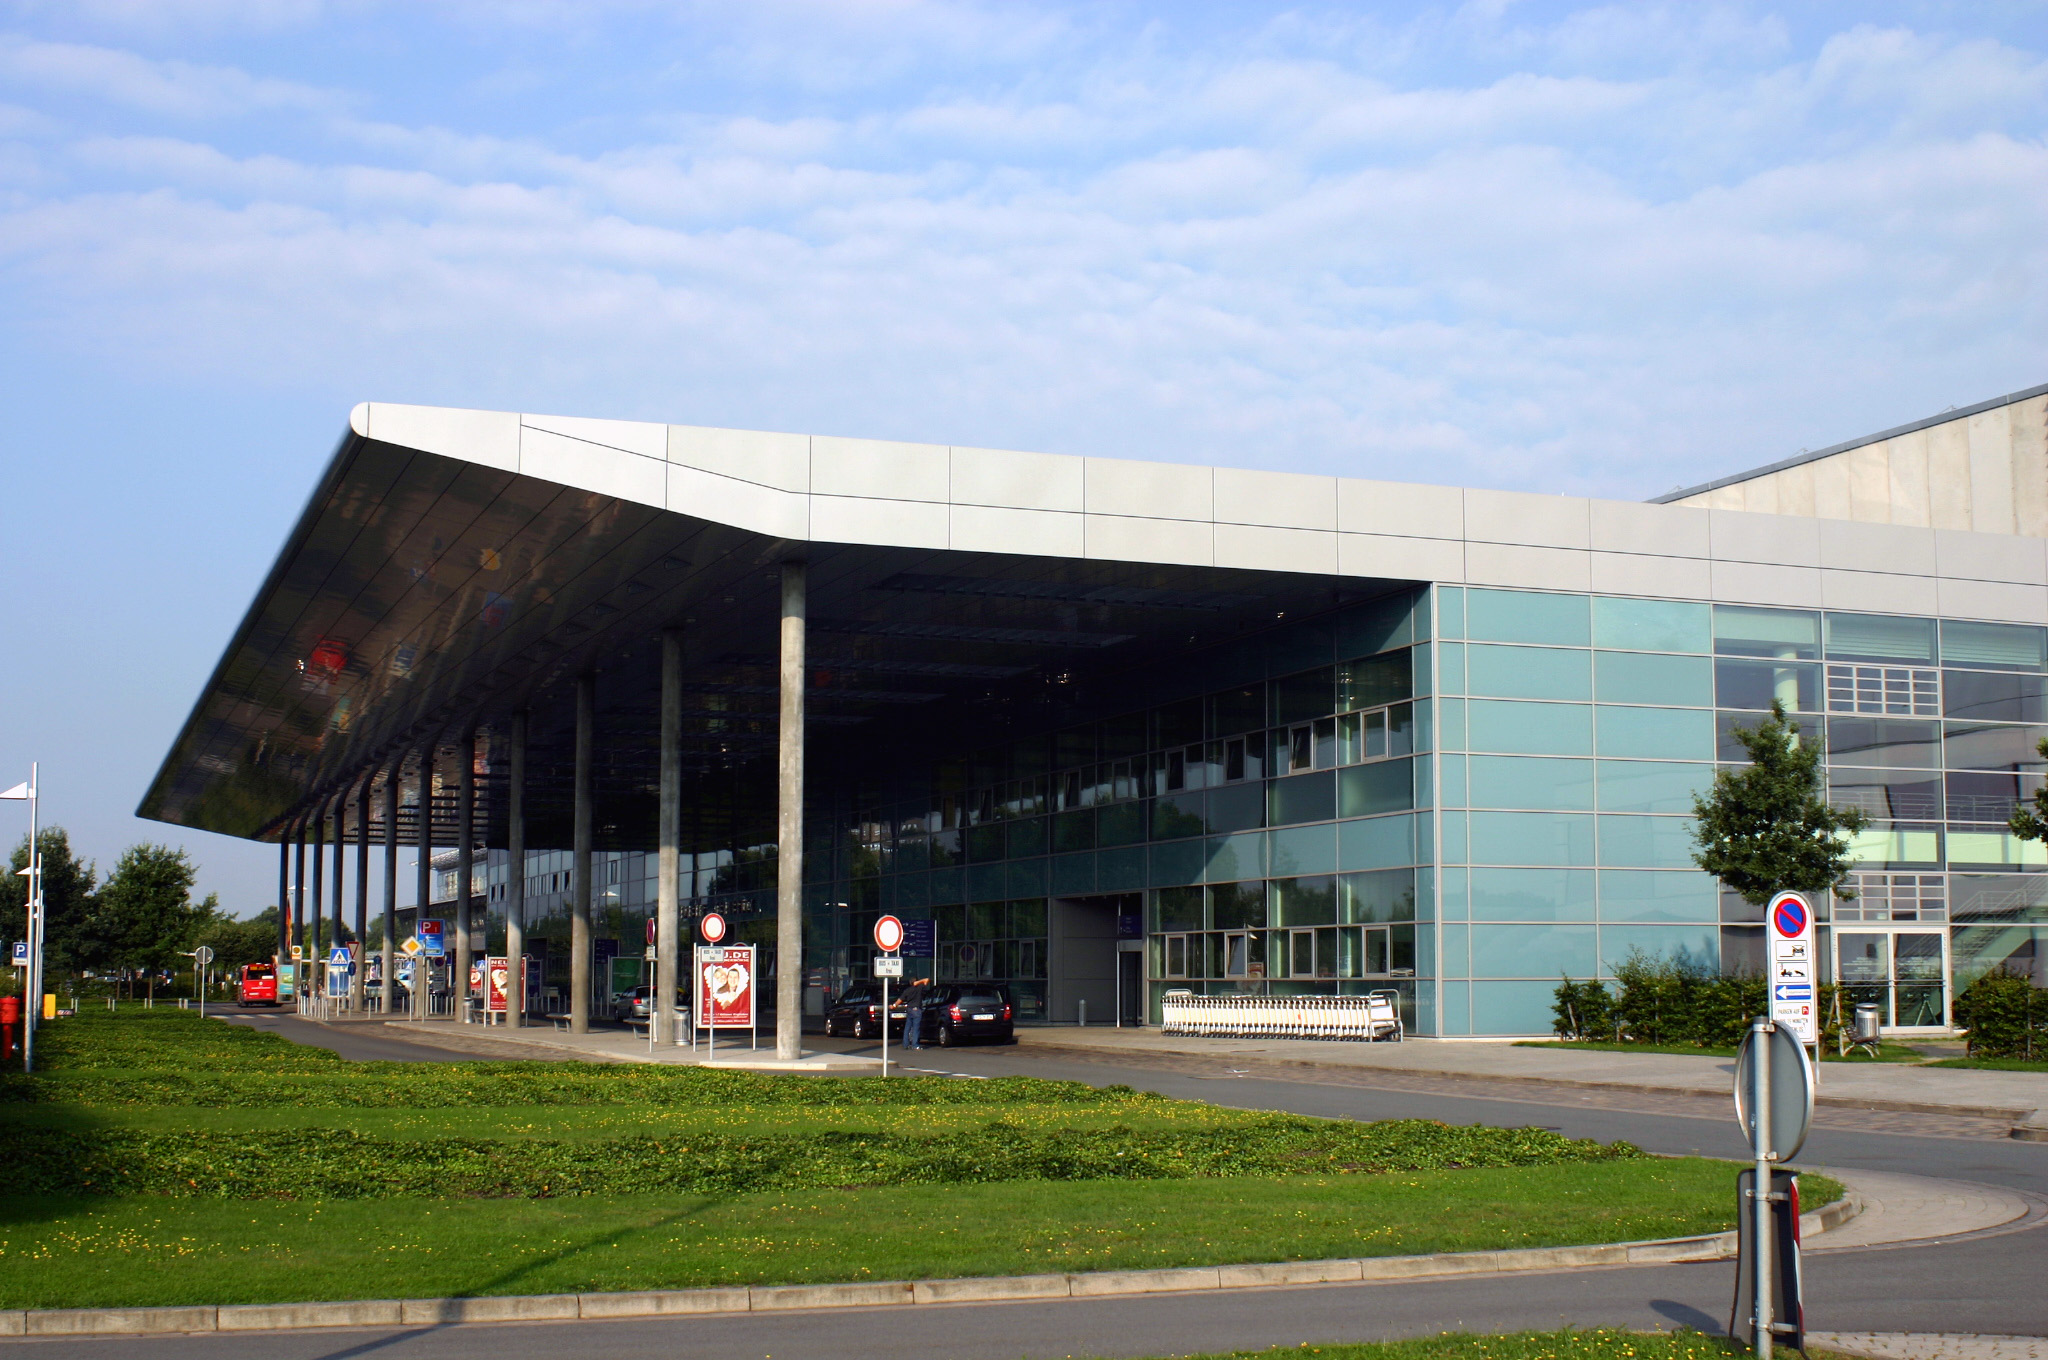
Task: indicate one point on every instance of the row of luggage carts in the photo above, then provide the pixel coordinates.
(1376, 1015)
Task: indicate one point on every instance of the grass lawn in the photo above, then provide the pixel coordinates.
(1597, 1344)
(1994, 1064)
(185, 1161)
(1894, 1053)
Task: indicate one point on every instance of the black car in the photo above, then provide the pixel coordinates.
(952, 1013)
(857, 1012)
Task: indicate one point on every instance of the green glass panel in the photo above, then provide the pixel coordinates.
(1530, 729)
(1642, 895)
(1179, 814)
(1531, 782)
(1510, 1008)
(1302, 798)
(1074, 830)
(1457, 789)
(1532, 838)
(1304, 849)
(1651, 785)
(1073, 875)
(1378, 896)
(985, 843)
(1121, 870)
(1451, 838)
(1367, 790)
(1533, 951)
(1120, 824)
(1784, 634)
(1450, 608)
(1176, 909)
(1657, 733)
(1372, 681)
(945, 884)
(1528, 616)
(2003, 646)
(1695, 946)
(1027, 877)
(1646, 842)
(1237, 906)
(1528, 672)
(1641, 678)
(1235, 857)
(1450, 658)
(1297, 698)
(1027, 837)
(1177, 862)
(987, 880)
(1376, 843)
(1880, 637)
(1652, 625)
(1027, 918)
(1305, 901)
(1532, 894)
(1454, 898)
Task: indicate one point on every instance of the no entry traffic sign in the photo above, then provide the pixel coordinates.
(888, 934)
(1791, 965)
(713, 927)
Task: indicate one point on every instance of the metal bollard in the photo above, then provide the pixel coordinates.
(1081, 1007)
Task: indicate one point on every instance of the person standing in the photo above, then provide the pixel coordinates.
(913, 1013)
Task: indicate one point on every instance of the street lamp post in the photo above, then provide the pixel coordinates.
(34, 899)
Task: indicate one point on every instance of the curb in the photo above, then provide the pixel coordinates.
(2031, 1129)
(251, 1317)
(2008, 1112)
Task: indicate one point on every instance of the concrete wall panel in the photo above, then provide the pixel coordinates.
(1909, 490)
(2028, 431)
(1991, 468)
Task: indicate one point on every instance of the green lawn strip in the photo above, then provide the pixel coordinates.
(60, 1253)
(1994, 1064)
(1599, 1343)
(1893, 1053)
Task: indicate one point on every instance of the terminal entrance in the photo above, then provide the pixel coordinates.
(1088, 977)
(1904, 973)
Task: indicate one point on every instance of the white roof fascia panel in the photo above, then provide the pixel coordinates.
(1028, 533)
(1522, 567)
(1402, 509)
(645, 438)
(1767, 583)
(1851, 546)
(1128, 538)
(744, 505)
(1991, 557)
(487, 437)
(1779, 540)
(1878, 592)
(880, 469)
(1420, 559)
(593, 467)
(1654, 530)
(1279, 500)
(763, 457)
(1261, 547)
(1010, 480)
(2001, 601)
(894, 524)
(1685, 578)
(1531, 520)
(1118, 486)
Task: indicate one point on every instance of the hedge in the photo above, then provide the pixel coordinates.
(338, 1164)
(1669, 1003)
(2006, 1016)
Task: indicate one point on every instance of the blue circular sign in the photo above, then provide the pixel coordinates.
(1788, 914)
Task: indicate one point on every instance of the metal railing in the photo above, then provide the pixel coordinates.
(1376, 1015)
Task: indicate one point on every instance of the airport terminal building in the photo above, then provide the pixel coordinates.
(1124, 727)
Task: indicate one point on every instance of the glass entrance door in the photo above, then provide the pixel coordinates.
(1903, 973)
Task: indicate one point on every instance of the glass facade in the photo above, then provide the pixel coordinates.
(1456, 793)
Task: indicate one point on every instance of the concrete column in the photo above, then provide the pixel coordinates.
(579, 902)
(392, 780)
(316, 907)
(465, 836)
(423, 880)
(299, 935)
(515, 875)
(667, 934)
(340, 842)
(789, 825)
(284, 896)
(358, 993)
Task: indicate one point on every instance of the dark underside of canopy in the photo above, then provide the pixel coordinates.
(420, 596)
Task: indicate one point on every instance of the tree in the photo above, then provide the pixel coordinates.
(236, 942)
(145, 914)
(2031, 823)
(1767, 828)
(67, 902)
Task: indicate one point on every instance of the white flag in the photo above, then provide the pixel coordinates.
(20, 790)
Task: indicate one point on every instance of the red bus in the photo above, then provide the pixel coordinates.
(259, 985)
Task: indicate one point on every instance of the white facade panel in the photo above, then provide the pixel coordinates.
(1992, 557)
(1281, 500)
(744, 505)
(1404, 509)
(1020, 481)
(1033, 533)
(1877, 592)
(490, 438)
(1127, 538)
(1526, 568)
(634, 436)
(764, 457)
(1521, 517)
(1739, 536)
(1662, 530)
(593, 467)
(880, 470)
(2001, 601)
(1116, 486)
(1410, 559)
(897, 524)
(1268, 549)
(1851, 546)
(1767, 583)
(1683, 578)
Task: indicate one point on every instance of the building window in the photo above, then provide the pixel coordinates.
(1904, 691)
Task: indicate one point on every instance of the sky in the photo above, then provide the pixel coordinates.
(1589, 249)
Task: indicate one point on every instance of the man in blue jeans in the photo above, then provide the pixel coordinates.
(913, 1013)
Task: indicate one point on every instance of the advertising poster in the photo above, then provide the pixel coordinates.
(497, 980)
(725, 986)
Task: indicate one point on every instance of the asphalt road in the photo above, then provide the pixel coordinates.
(1991, 1283)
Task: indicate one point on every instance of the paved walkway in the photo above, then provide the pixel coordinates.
(1931, 1345)
(1878, 1086)
(1893, 1208)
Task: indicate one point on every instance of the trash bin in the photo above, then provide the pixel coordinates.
(1865, 1030)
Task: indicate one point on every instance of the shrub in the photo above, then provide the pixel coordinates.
(1661, 1001)
(1584, 1010)
(2005, 1014)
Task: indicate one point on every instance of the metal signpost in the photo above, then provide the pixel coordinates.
(888, 939)
(201, 958)
(1789, 928)
(1774, 1105)
(34, 1009)
(712, 928)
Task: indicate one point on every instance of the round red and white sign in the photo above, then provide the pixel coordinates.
(888, 934)
(713, 926)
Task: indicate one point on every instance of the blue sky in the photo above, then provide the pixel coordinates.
(1594, 249)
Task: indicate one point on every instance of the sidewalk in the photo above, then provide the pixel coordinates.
(2013, 1096)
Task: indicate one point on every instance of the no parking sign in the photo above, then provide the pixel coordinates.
(1789, 928)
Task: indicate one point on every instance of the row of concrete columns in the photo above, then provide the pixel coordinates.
(669, 945)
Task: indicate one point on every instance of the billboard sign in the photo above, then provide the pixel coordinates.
(1789, 929)
(724, 991)
(433, 938)
(497, 982)
(921, 939)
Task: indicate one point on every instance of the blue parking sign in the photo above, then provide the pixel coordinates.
(21, 953)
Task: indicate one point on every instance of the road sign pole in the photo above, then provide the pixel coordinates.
(1760, 1102)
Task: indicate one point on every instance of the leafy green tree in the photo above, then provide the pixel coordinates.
(236, 942)
(1767, 827)
(2031, 823)
(67, 900)
(145, 914)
